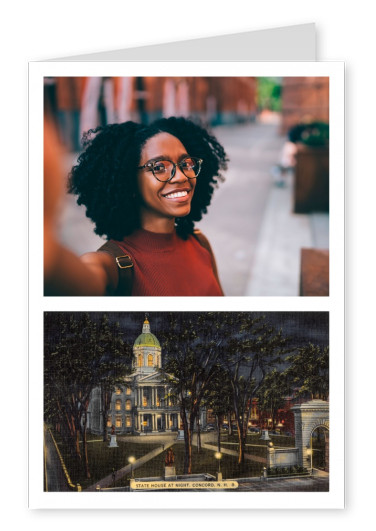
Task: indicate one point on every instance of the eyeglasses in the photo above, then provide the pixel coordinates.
(165, 170)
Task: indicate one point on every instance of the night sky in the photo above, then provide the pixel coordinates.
(301, 327)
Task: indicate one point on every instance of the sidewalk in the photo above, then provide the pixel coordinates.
(256, 236)
(276, 267)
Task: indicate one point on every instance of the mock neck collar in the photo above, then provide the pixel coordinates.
(153, 241)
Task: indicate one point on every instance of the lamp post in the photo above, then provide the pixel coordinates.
(310, 454)
(131, 460)
(218, 456)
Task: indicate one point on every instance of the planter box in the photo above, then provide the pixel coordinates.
(314, 273)
(311, 187)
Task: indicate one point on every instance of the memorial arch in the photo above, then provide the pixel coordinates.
(312, 434)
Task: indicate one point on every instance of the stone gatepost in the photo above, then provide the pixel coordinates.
(308, 417)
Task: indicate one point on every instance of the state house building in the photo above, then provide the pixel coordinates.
(142, 404)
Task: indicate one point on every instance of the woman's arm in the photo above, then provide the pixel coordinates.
(68, 274)
(64, 272)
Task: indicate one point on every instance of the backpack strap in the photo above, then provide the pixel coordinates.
(204, 242)
(125, 268)
(125, 264)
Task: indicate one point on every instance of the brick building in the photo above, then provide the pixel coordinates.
(304, 100)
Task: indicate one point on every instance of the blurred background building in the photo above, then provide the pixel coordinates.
(269, 221)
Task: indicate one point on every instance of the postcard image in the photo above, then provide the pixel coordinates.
(186, 401)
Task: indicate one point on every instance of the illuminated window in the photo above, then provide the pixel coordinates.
(150, 360)
(158, 400)
(118, 422)
(139, 360)
(118, 391)
(128, 405)
(144, 401)
(129, 391)
(118, 405)
(109, 422)
(128, 422)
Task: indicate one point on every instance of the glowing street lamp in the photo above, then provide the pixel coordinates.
(131, 460)
(218, 456)
(310, 455)
(310, 452)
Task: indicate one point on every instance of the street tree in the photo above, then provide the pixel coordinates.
(254, 348)
(272, 393)
(115, 364)
(219, 398)
(76, 361)
(308, 371)
(192, 346)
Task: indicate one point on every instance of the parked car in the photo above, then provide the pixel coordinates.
(209, 427)
(224, 426)
(253, 430)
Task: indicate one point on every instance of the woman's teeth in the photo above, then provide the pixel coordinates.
(176, 194)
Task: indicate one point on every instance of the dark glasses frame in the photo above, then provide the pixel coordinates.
(150, 166)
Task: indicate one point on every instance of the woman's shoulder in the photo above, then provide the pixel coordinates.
(202, 239)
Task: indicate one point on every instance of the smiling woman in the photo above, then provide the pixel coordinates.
(166, 188)
(144, 187)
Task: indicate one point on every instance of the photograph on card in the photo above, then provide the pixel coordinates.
(177, 401)
(186, 186)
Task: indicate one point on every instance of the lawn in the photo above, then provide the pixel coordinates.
(102, 459)
(254, 449)
(257, 446)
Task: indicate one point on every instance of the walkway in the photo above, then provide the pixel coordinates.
(165, 442)
(54, 477)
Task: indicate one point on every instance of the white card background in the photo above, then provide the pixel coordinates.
(334, 304)
(34, 32)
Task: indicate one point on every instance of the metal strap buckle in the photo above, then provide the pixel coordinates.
(124, 266)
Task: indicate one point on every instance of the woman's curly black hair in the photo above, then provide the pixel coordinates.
(105, 176)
